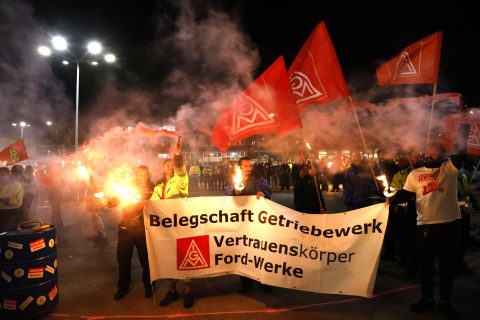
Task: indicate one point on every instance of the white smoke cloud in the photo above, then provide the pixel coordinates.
(210, 61)
(29, 91)
(204, 59)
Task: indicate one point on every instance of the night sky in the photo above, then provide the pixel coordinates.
(179, 60)
(363, 35)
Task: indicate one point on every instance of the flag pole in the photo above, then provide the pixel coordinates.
(431, 113)
(314, 176)
(363, 140)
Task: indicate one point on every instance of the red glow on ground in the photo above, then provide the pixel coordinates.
(258, 311)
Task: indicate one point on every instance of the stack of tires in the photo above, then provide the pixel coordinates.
(28, 271)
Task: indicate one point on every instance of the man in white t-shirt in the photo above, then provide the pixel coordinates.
(434, 187)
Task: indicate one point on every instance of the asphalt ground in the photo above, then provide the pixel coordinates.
(88, 275)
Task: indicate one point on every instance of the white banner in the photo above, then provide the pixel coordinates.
(265, 241)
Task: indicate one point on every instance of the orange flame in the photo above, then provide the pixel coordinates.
(119, 184)
(84, 173)
(329, 164)
(126, 193)
(308, 145)
(383, 178)
(99, 195)
(388, 191)
(237, 179)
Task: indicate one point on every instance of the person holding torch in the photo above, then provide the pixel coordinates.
(174, 184)
(247, 184)
(305, 196)
(131, 233)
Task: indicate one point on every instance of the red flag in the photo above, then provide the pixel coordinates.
(473, 142)
(449, 135)
(266, 106)
(315, 75)
(452, 125)
(14, 153)
(417, 63)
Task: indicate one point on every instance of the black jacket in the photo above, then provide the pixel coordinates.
(305, 197)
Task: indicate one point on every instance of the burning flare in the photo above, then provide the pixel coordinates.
(237, 179)
(308, 145)
(120, 185)
(84, 173)
(99, 195)
(388, 191)
(126, 193)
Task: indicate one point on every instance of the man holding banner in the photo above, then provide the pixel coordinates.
(131, 233)
(174, 184)
(358, 186)
(252, 186)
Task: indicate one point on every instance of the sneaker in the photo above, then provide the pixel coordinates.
(148, 292)
(120, 294)
(422, 305)
(448, 310)
(169, 298)
(188, 300)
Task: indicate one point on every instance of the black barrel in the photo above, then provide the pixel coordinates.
(28, 271)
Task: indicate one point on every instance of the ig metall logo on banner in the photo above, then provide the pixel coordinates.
(193, 253)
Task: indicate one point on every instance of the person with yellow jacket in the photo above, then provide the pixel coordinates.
(194, 176)
(174, 184)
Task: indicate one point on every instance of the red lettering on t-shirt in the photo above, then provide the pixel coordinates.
(429, 176)
(430, 187)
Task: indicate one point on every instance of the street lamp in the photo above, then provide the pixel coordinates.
(21, 124)
(93, 48)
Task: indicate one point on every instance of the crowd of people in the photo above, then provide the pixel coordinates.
(428, 216)
(17, 192)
